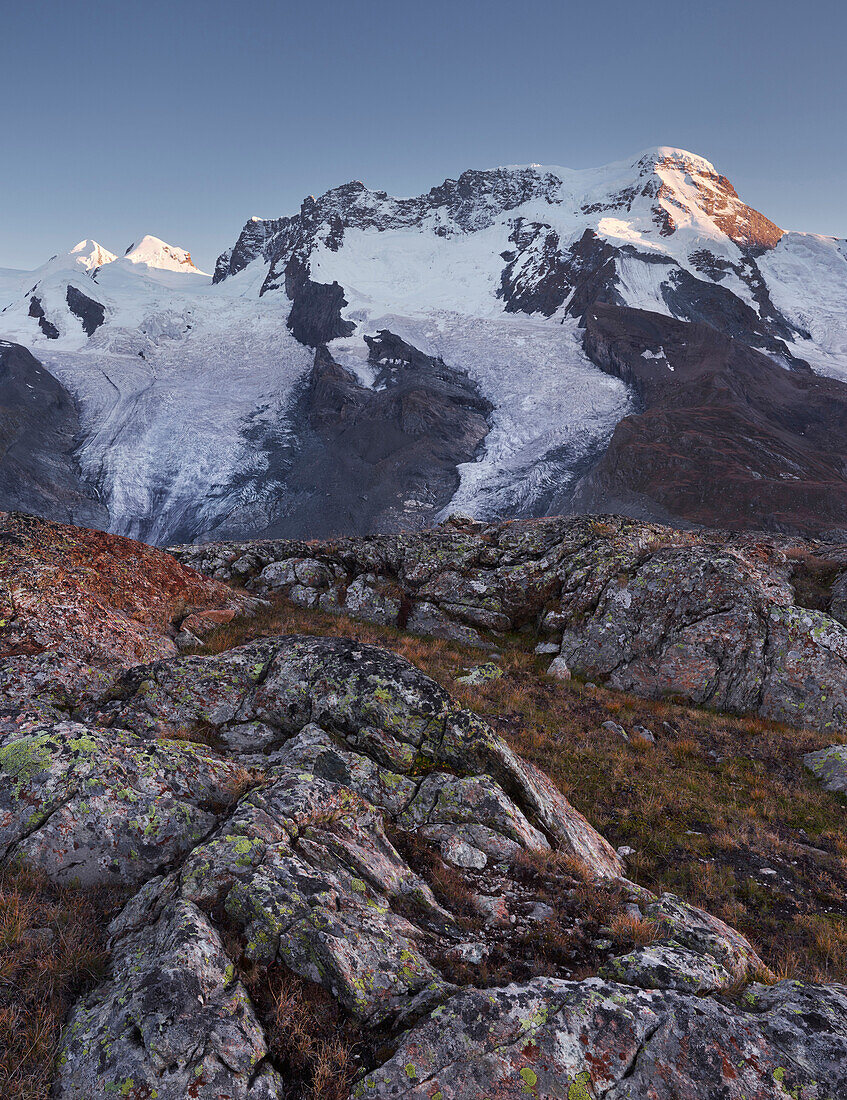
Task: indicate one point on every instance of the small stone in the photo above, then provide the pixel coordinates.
(644, 733)
(461, 854)
(480, 674)
(543, 648)
(614, 727)
(474, 952)
(495, 910)
(464, 521)
(559, 670)
(625, 851)
(829, 765)
(541, 911)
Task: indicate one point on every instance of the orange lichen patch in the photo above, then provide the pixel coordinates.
(95, 597)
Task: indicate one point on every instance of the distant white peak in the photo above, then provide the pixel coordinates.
(89, 254)
(156, 253)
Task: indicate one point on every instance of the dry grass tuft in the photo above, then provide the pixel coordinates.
(626, 928)
(313, 1046)
(52, 948)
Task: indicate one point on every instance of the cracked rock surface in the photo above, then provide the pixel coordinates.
(579, 1040)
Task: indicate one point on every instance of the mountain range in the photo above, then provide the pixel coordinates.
(523, 341)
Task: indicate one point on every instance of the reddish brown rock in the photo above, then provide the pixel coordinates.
(77, 604)
(202, 623)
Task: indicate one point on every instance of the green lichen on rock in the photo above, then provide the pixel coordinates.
(578, 1089)
(26, 757)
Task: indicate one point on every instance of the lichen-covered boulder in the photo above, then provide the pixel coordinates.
(829, 765)
(374, 700)
(668, 965)
(700, 932)
(554, 1039)
(683, 622)
(104, 806)
(171, 1021)
(693, 951)
(303, 868)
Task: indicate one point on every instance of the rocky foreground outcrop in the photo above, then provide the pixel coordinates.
(707, 617)
(342, 745)
(342, 741)
(320, 807)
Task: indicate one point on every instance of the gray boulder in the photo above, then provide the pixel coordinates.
(578, 1040)
(829, 765)
(105, 806)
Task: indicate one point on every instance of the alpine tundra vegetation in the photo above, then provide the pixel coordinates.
(549, 808)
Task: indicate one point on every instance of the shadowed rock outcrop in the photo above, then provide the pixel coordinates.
(727, 437)
(378, 458)
(91, 314)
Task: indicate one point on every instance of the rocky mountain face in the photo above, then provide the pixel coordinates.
(515, 281)
(724, 433)
(356, 444)
(40, 431)
(296, 806)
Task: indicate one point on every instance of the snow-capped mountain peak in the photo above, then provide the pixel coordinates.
(89, 255)
(494, 277)
(154, 252)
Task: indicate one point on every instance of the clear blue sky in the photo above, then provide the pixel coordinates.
(182, 118)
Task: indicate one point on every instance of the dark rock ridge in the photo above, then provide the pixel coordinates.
(39, 432)
(91, 313)
(380, 458)
(36, 309)
(710, 617)
(542, 278)
(467, 204)
(726, 437)
(473, 202)
(315, 316)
